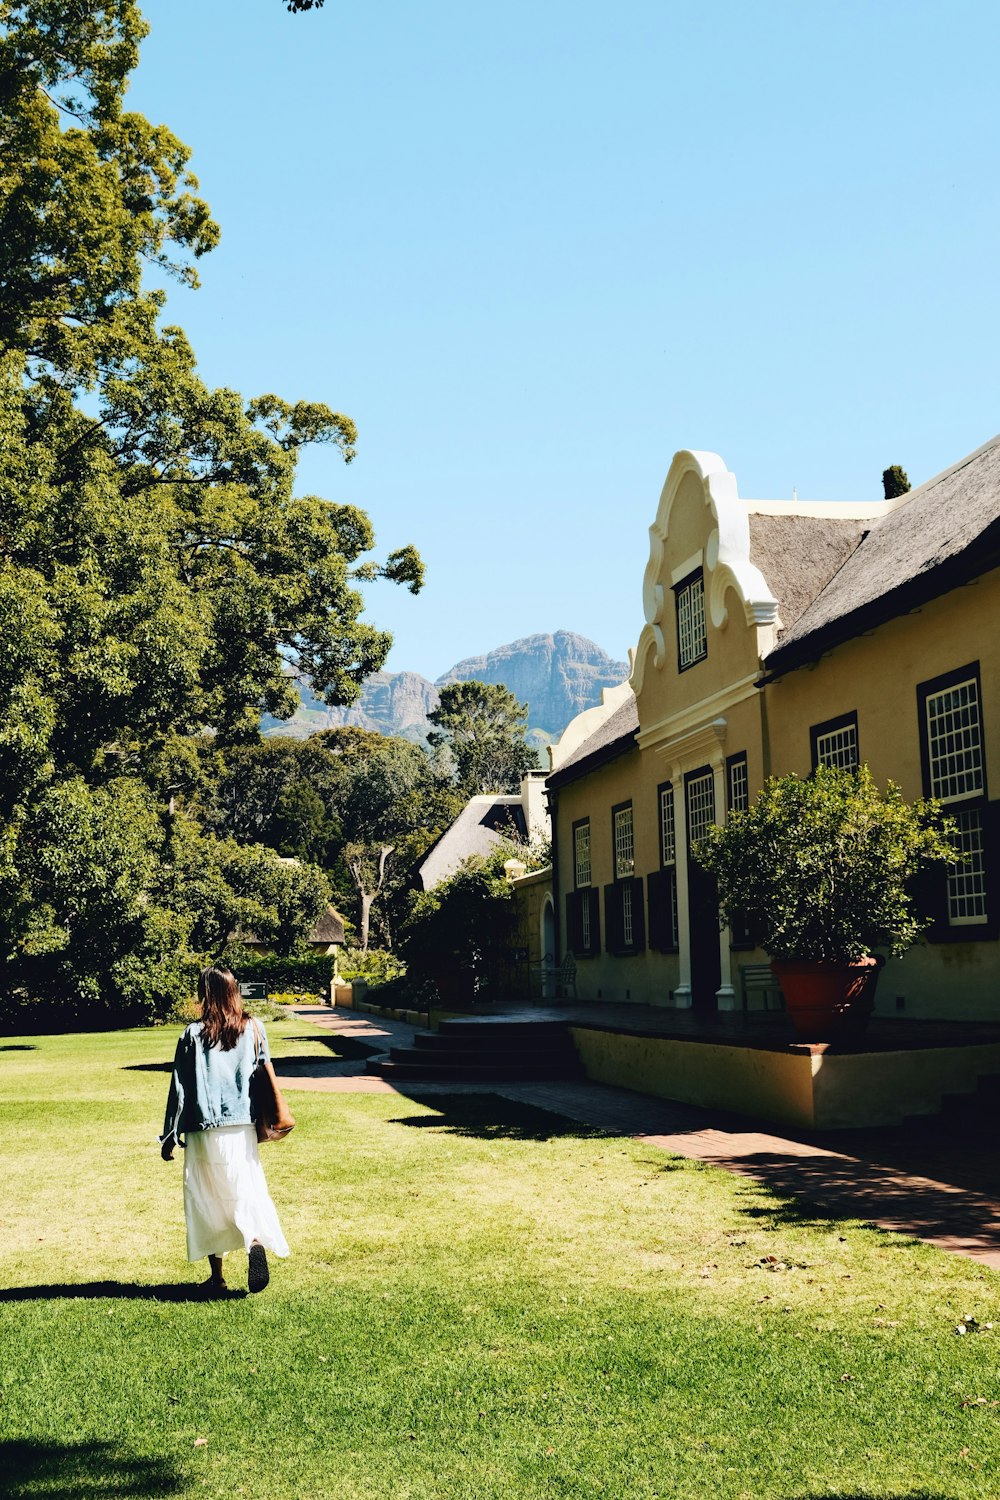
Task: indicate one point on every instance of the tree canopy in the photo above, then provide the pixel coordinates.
(159, 577)
(482, 726)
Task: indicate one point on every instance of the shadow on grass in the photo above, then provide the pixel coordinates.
(815, 1191)
(74, 1471)
(871, 1495)
(491, 1117)
(129, 1291)
(17, 1047)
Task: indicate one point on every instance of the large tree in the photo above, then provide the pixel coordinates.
(158, 575)
(482, 725)
(392, 803)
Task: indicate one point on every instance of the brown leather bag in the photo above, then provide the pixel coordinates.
(272, 1117)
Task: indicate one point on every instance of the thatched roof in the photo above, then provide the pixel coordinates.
(483, 823)
(612, 738)
(939, 536)
(799, 554)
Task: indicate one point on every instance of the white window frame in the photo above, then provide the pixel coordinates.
(738, 784)
(955, 750)
(692, 633)
(582, 863)
(624, 842)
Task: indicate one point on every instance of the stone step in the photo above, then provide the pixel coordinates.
(479, 1073)
(454, 1057)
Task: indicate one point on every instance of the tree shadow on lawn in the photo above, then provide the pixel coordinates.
(813, 1191)
(17, 1047)
(491, 1117)
(130, 1291)
(75, 1471)
(344, 1049)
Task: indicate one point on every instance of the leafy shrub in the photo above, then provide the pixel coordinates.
(377, 966)
(822, 869)
(307, 974)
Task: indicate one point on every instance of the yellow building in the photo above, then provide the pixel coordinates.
(777, 635)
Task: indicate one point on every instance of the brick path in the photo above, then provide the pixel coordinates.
(870, 1185)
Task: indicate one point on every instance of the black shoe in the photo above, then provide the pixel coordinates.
(258, 1275)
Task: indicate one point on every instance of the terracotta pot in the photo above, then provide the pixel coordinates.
(828, 1002)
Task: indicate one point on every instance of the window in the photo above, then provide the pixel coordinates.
(955, 742)
(624, 842)
(625, 924)
(835, 743)
(582, 903)
(692, 641)
(737, 783)
(700, 805)
(581, 852)
(952, 752)
(668, 837)
(662, 883)
(967, 882)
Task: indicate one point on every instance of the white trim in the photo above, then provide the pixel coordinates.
(706, 708)
(694, 562)
(704, 745)
(727, 559)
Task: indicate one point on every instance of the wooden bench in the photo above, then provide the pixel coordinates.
(561, 978)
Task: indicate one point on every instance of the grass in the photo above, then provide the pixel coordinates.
(482, 1301)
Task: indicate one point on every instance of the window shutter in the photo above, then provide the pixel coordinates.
(638, 915)
(991, 841)
(594, 897)
(572, 923)
(930, 897)
(612, 919)
(659, 917)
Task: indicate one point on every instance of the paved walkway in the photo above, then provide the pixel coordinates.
(880, 1180)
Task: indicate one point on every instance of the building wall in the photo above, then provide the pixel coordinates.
(713, 710)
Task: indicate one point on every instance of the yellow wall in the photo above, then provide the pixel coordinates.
(712, 711)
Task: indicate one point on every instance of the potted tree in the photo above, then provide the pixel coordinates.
(821, 871)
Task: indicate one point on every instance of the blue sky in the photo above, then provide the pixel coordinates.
(533, 249)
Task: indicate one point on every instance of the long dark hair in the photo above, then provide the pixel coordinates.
(222, 1015)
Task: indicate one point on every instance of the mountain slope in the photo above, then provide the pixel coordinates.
(556, 675)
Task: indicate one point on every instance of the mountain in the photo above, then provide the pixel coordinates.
(556, 675)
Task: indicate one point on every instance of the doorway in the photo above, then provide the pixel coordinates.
(549, 956)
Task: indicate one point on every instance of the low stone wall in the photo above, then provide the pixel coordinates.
(794, 1086)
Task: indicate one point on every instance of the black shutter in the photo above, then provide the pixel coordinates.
(991, 851)
(594, 897)
(612, 919)
(930, 898)
(638, 915)
(659, 910)
(572, 924)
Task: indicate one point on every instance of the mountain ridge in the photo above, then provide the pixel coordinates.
(557, 675)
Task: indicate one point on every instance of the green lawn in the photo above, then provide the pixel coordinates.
(483, 1302)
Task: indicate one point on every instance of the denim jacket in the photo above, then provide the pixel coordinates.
(211, 1087)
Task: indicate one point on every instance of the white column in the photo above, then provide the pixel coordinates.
(725, 995)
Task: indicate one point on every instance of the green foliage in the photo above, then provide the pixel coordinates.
(306, 973)
(483, 726)
(460, 935)
(376, 965)
(159, 577)
(821, 869)
(895, 482)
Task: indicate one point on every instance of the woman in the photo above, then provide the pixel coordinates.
(226, 1202)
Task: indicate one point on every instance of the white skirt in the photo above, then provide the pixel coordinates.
(226, 1202)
